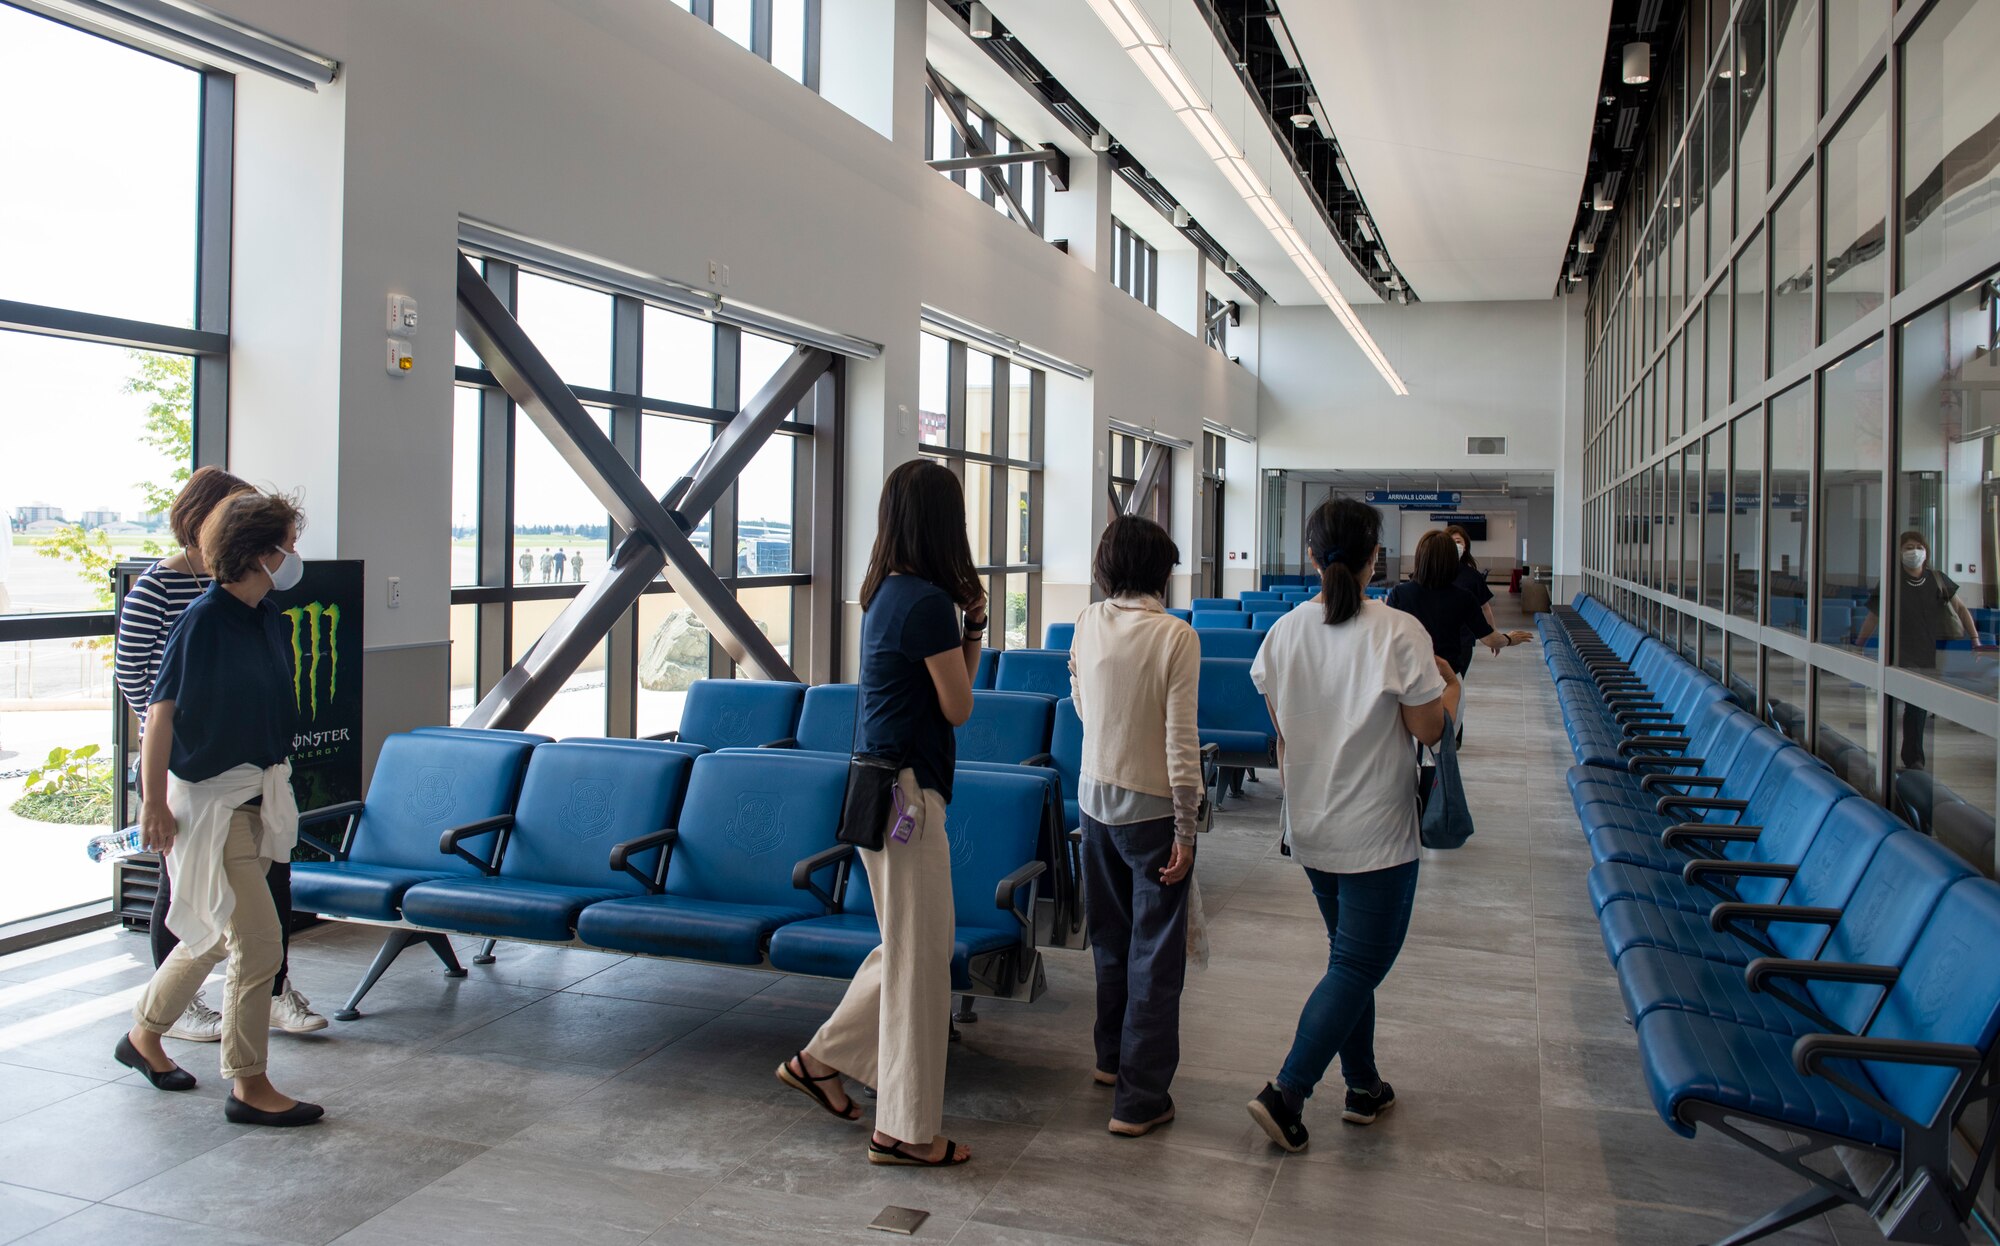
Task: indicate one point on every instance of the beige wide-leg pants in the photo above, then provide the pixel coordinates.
(255, 946)
(893, 1027)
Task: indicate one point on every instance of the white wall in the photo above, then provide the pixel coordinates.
(629, 131)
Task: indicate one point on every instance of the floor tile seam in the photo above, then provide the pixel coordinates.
(74, 1211)
(108, 1201)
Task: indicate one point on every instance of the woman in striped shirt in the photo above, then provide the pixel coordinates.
(152, 606)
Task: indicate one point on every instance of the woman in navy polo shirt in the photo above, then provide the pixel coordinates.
(218, 803)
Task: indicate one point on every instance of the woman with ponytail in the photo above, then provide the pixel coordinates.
(1350, 686)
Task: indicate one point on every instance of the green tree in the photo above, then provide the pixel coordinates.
(167, 383)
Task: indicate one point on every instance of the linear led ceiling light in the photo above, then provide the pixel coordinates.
(1135, 32)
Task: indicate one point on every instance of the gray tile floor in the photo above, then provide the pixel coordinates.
(570, 1097)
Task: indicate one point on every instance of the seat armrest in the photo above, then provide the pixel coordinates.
(787, 742)
(347, 810)
(1003, 895)
(1627, 748)
(1654, 782)
(622, 854)
(1682, 834)
(1642, 760)
(1767, 969)
(1694, 872)
(1666, 803)
(450, 842)
(670, 736)
(803, 871)
(1729, 911)
(1045, 760)
(1813, 1055)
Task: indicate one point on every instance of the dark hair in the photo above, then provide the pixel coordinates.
(1460, 534)
(1342, 535)
(198, 497)
(243, 529)
(920, 531)
(1135, 555)
(1437, 560)
(1909, 535)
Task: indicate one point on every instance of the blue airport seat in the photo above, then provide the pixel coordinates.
(1011, 728)
(993, 823)
(723, 881)
(989, 660)
(1225, 619)
(1216, 603)
(826, 719)
(738, 713)
(484, 733)
(1066, 748)
(1217, 642)
(1059, 636)
(577, 801)
(1263, 620)
(1230, 713)
(1033, 670)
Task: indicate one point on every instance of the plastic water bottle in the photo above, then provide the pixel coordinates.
(118, 844)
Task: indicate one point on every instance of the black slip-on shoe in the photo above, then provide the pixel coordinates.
(176, 1078)
(1285, 1126)
(241, 1113)
(1363, 1107)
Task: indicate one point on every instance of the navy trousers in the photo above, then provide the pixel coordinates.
(1138, 935)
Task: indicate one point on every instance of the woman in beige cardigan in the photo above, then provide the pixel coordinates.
(1134, 674)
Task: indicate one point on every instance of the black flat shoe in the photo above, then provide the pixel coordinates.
(241, 1113)
(1285, 1127)
(176, 1078)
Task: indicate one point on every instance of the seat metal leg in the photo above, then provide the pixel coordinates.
(965, 1014)
(392, 946)
(441, 944)
(485, 956)
(1813, 1202)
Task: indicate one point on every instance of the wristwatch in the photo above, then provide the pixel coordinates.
(974, 630)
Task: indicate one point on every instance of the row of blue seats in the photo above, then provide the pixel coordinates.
(639, 846)
(1791, 955)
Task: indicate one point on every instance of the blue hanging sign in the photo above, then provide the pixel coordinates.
(1413, 499)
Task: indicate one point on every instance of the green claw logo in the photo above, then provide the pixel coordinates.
(306, 619)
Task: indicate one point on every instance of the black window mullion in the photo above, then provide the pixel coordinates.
(722, 520)
(210, 414)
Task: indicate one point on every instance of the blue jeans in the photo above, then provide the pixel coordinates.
(1138, 937)
(1367, 916)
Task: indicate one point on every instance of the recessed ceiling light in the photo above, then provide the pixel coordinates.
(1301, 120)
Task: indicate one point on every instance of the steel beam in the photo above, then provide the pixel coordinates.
(1149, 478)
(656, 540)
(1045, 154)
(975, 145)
(695, 494)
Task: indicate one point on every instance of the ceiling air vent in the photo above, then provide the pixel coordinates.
(1486, 445)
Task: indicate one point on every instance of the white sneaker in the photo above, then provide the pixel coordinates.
(292, 1013)
(199, 1024)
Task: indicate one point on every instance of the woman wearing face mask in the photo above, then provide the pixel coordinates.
(1473, 581)
(153, 605)
(1927, 603)
(218, 803)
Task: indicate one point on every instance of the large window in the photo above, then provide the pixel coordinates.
(1128, 474)
(1840, 333)
(1214, 462)
(114, 265)
(528, 535)
(955, 128)
(981, 416)
(783, 32)
(1135, 264)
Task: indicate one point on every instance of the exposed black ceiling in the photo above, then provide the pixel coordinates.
(1624, 115)
(1008, 52)
(1275, 76)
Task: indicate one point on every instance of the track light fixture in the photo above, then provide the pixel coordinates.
(980, 21)
(1181, 217)
(1638, 66)
(1230, 267)
(1101, 141)
(1599, 200)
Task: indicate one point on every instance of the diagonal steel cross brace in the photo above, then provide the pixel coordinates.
(1149, 476)
(657, 537)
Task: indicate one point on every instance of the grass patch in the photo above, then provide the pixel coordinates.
(66, 808)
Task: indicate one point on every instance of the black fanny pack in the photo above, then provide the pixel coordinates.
(870, 800)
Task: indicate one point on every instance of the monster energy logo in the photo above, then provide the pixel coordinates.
(305, 657)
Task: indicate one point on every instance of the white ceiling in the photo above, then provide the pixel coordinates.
(1467, 125)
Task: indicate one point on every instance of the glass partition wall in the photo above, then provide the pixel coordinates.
(1796, 319)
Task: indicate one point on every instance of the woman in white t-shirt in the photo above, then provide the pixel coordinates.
(1349, 686)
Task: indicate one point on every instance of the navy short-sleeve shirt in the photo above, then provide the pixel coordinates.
(228, 670)
(910, 620)
(1453, 619)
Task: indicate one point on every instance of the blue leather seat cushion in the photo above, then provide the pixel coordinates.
(1072, 813)
(1237, 742)
(1748, 1069)
(1622, 880)
(501, 908)
(1653, 977)
(834, 946)
(354, 889)
(1636, 847)
(1629, 923)
(713, 930)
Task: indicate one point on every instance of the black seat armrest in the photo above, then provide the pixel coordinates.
(1046, 760)
(1654, 782)
(347, 810)
(1813, 1055)
(1723, 915)
(664, 735)
(622, 854)
(1685, 835)
(1643, 761)
(1010, 886)
(787, 742)
(1696, 873)
(803, 871)
(1627, 748)
(1668, 803)
(451, 842)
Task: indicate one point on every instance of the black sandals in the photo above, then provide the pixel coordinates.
(895, 1154)
(806, 1084)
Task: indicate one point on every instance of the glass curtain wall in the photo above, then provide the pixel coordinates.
(527, 536)
(981, 415)
(114, 264)
(1832, 194)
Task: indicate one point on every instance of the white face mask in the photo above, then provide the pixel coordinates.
(1913, 560)
(1460, 547)
(289, 572)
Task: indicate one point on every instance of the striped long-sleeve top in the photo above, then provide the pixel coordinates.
(152, 607)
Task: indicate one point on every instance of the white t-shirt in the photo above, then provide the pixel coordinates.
(1350, 765)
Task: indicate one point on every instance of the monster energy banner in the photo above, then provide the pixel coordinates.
(322, 616)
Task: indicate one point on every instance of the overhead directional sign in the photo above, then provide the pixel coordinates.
(1414, 499)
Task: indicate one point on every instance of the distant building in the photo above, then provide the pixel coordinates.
(26, 515)
(100, 518)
